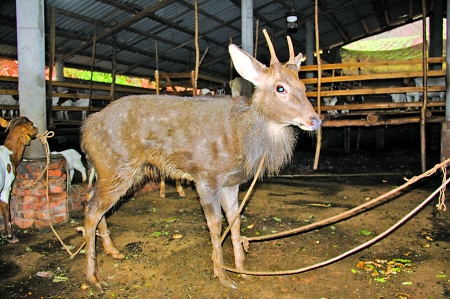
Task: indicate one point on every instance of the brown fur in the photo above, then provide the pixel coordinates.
(21, 132)
(215, 142)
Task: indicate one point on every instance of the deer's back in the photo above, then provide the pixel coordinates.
(184, 137)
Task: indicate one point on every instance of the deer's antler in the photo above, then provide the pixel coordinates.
(273, 56)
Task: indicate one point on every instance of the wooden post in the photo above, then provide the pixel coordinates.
(51, 62)
(231, 62)
(425, 96)
(197, 51)
(256, 37)
(92, 66)
(157, 81)
(319, 77)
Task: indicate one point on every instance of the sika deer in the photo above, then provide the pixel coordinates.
(21, 131)
(217, 143)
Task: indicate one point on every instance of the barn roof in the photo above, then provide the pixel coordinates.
(142, 26)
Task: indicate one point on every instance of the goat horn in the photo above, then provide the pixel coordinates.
(273, 56)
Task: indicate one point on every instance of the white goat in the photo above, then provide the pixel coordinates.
(433, 81)
(330, 101)
(6, 99)
(82, 103)
(73, 159)
(241, 87)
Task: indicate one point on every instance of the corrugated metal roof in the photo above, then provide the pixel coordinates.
(171, 25)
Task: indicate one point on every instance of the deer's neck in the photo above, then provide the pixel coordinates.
(262, 136)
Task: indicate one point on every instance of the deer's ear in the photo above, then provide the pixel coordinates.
(247, 66)
(298, 60)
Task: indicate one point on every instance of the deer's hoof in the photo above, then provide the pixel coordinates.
(118, 256)
(99, 285)
(228, 282)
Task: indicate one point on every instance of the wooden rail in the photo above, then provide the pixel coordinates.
(399, 111)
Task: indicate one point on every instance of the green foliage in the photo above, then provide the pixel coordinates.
(106, 77)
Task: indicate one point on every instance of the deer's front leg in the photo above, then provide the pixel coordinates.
(229, 202)
(211, 207)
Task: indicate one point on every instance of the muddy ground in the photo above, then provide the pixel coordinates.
(169, 252)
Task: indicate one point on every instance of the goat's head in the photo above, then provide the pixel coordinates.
(278, 87)
(23, 128)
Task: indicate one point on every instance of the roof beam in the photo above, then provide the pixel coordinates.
(335, 22)
(133, 19)
(361, 18)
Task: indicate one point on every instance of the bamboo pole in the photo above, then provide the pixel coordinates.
(231, 61)
(51, 62)
(113, 66)
(319, 77)
(92, 67)
(256, 37)
(157, 68)
(425, 96)
(197, 51)
(157, 81)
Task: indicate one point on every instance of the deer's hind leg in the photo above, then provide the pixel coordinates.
(98, 205)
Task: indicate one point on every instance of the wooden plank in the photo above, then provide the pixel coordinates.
(377, 90)
(377, 106)
(334, 66)
(399, 75)
(382, 122)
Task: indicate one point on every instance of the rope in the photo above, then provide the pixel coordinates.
(347, 253)
(244, 201)
(43, 138)
(356, 209)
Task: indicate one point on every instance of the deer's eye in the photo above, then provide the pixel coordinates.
(280, 89)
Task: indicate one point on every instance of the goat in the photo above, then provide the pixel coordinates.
(8, 100)
(241, 87)
(162, 189)
(82, 103)
(73, 159)
(433, 81)
(21, 132)
(330, 101)
(217, 143)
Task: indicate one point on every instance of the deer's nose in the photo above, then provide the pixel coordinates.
(315, 122)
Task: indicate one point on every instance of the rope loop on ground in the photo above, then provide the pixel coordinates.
(441, 190)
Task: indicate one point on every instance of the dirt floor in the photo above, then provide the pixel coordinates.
(169, 251)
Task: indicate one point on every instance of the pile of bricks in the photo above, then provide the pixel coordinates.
(30, 206)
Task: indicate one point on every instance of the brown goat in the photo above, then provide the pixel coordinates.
(217, 143)
(21, 132)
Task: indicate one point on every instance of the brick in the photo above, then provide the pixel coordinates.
(26, 214)
(60, 218)
(24, 223)
(55, 189)
(59, 210)
(57, 204)
(58, 196)
(40, 223)
(21, 192)
(55, 173)
(39, 192)
(26, 206)
(41, 214)
(57, 164)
